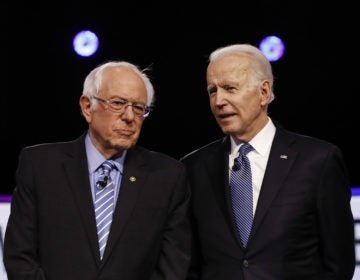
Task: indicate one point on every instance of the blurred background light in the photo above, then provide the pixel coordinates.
(272, 47)
(177, 56)
(85, 43)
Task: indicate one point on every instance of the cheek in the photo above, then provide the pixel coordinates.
(102, 123)
(250, 101)
(212, 107)
(212, 103)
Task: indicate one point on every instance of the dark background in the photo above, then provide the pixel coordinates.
(315, 82)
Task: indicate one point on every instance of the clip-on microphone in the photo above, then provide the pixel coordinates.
(235, 167)
(102, 183)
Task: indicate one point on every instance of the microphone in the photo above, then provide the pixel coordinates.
(102, 183)
(235, 167)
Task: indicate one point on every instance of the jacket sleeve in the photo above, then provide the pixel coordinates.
(336, 220)
(21, 258)
(174, 257)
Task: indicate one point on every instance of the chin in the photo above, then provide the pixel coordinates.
(125, 144)
(227, 129)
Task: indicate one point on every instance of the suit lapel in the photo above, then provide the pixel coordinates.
(133, 180)
(218, 171)
(76, 170)
(281, 159)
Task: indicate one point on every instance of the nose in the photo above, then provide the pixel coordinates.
(128, 112)
(218, 98)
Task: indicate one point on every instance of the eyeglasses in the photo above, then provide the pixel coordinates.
(118, 105)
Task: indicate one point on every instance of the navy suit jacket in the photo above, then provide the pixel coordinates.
(51, 232)
(303, 226)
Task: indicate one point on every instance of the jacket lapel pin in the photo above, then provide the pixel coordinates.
(132, 179)
(283, 156)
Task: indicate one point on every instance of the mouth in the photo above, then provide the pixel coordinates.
(225, 116)
(124, 132)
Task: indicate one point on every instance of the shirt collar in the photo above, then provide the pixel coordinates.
(95, 158)
(261, 142)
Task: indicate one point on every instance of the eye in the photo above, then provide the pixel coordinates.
(230, 88)
(211, 90)
(118, 102)
(138, 108)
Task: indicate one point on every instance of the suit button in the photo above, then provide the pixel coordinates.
(245, 263)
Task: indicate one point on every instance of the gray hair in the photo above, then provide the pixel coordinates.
(93, 80)
(261, 66)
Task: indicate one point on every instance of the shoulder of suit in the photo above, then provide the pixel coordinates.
(306, 140)
(47, 146)
(52, 147)
(207, 149)
(155, 157)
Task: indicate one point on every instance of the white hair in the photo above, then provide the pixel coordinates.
(93, 80)
(261, 66)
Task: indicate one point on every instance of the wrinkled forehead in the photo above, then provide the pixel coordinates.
(228, 67)
(121, 73)
(123, 82)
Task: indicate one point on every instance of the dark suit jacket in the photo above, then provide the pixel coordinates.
(303, 226)
(51, 233)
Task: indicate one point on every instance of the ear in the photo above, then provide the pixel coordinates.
(265, 92)
(85, 105)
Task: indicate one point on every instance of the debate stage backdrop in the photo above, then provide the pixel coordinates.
(315, 82)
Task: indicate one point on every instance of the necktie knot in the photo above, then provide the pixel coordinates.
(104, 173)
(107, 166)
(245, 149)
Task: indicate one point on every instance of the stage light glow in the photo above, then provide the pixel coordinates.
(85, 43)
(272, 47)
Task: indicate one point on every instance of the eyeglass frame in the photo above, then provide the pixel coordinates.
(126, 103)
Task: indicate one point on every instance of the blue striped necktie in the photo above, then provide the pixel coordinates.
(104, 203)
(241, 193)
